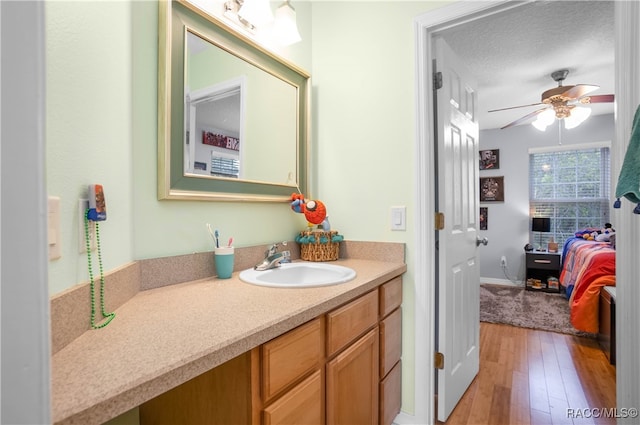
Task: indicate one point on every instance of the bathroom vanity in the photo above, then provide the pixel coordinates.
(224, 351)
(352, 353)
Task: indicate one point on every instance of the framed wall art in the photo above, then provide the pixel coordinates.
(490, 159)
(484, 218)
(492, 189)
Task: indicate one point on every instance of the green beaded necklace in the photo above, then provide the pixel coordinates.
(108, 316)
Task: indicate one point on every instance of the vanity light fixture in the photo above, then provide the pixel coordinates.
(257, 12)
(231, 9)
(285, 26)
(256, 16)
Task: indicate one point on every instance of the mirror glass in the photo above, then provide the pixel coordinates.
(233, 117)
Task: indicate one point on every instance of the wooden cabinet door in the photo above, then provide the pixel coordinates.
(352, 383)
(302, 405)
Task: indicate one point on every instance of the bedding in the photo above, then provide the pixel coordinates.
(587, 267)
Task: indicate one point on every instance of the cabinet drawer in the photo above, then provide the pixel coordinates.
(543, 261)
(349, 321)
(391, 395)
(390, 341)
(301, 405)
(304, 344)
(390, 296)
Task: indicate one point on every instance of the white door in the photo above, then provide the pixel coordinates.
(457, 274)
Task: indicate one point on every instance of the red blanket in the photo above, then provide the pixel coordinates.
(597, 269)
(577, 253)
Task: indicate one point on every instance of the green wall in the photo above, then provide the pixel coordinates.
(88, 127)
(364, 77)
(102, 118)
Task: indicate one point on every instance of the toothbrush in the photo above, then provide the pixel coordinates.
(230, 242)
(211, 233)
(216, 238)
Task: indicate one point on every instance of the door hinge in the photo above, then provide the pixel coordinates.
(439, 221)
(438, 360)
(437, 80)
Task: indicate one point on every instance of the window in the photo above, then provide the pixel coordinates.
(224, 167)
(571, 187)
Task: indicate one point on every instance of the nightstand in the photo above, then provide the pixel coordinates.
(543, 271)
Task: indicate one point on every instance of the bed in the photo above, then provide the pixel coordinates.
(587, 266)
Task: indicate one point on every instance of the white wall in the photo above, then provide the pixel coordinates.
(508, 224)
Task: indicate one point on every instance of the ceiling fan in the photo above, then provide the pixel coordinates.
(562, 102)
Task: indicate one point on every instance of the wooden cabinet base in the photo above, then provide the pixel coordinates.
(219, 396)
(340, 368)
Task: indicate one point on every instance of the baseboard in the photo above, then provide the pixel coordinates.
(505, 282)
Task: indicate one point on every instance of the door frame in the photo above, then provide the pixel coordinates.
(627, 15)
(25, 340)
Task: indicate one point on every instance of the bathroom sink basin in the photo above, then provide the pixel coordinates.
(299, 275)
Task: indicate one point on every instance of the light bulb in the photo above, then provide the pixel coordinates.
(578, 115)
(545, 118)
(256, 12)
(539, 125)
(285, 27)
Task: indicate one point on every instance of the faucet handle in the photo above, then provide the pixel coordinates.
(274, 248)
(286, 256)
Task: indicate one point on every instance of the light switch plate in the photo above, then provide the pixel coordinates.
(399, 218)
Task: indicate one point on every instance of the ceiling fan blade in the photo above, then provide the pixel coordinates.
(523, 119)
(579, 91)
(514, 107)
(599, 98)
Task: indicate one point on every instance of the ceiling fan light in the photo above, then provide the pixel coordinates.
(547, 116)
(577, 117)
(538, 124)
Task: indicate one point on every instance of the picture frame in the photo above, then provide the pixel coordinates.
(492, 189)
(484, 218)
(490, 159)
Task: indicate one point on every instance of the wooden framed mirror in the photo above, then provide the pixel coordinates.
(233, 117)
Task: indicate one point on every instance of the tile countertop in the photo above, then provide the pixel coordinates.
(166, 336)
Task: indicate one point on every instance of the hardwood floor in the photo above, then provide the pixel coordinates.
(536, 377)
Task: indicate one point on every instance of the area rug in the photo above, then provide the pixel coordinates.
(527, 309)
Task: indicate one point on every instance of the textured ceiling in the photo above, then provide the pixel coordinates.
(513, 53)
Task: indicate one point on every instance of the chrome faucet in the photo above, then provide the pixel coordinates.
(273, 258)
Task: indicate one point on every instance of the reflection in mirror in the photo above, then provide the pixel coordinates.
(233, 118)
(222, 94)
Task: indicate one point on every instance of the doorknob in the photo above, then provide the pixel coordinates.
(483, 241)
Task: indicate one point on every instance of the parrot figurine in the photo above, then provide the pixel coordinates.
(314, 211)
